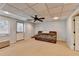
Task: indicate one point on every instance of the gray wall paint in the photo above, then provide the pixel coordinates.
(29, 29)
(32, 29)
(59, 26)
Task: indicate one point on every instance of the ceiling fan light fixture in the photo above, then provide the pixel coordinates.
(55, 18)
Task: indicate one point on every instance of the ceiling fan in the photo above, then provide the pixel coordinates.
(37, 19)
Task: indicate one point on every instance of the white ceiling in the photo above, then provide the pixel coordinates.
(47, 10)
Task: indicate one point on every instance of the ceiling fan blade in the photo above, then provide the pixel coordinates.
(42, 18)
(34, 20)
(32, 17)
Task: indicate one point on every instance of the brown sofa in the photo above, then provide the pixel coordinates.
(48, 37)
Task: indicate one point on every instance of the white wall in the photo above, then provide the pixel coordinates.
(29, 29)
(58, 26)
(12, 34)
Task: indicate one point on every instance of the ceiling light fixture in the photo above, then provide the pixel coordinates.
(56, 18)
(6, 12)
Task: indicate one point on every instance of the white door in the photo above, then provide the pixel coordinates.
(76, 33)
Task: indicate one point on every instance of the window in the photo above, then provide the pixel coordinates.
(4, 27)
(20, 27)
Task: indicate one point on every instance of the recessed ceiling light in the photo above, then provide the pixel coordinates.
(56, 18)
(6, 12)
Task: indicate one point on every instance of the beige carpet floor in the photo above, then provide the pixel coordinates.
(38, 48)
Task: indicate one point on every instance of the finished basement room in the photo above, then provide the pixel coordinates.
(39, 29)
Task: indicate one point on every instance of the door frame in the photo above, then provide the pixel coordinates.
(17, 32)
(74, 33)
